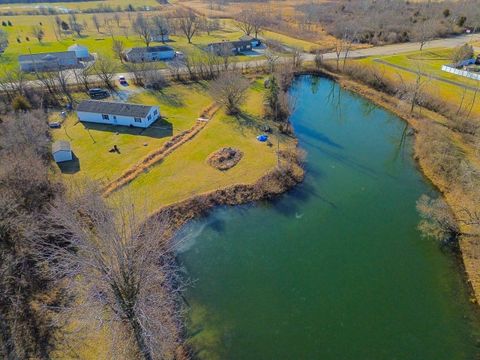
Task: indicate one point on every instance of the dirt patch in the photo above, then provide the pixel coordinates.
(225, 158)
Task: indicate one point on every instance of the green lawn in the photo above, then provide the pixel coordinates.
(180, 105)
(429, 62)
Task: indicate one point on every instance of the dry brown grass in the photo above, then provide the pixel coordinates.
(288, 26)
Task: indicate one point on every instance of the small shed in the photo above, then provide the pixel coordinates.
(81, 52)
(61, 151)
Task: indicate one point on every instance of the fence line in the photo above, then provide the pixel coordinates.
(464, 73)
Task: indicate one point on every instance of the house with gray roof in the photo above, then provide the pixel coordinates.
(117, 113)
(61, 151)
(49, 61)
(151, 53)
(229, 47)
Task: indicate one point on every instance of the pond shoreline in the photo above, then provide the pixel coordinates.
(274, 183)
(468, 261)
(277, 182)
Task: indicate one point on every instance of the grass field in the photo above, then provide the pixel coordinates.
(80, 5)
(97, 42)
(429, 62)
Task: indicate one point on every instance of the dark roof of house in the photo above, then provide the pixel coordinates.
(236, 43)
(150, 49)
(47, 57)
(248, 38)
(114, 108)
(60, 146)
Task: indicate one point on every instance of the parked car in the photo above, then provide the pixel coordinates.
(98, 93)
(54, 125)
(122, 80)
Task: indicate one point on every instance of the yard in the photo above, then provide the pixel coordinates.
(180, 106)
(184, 172)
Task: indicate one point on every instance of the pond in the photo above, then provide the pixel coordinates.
(336, 268)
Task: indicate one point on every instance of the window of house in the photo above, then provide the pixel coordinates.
(149, 117)
(155, 112)
(105, 117)
(114, 117)
(137, 119)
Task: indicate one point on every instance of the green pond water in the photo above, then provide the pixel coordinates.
(336, 268)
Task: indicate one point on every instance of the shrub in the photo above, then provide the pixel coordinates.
(463, 52)
(20, 103)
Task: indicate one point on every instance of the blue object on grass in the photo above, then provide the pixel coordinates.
(262, 138)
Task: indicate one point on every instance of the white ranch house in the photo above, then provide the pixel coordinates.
(117, 113)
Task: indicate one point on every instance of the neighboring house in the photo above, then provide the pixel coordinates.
(117, 113)
(61, 151)
(233, 47)
(48, 61)
(256, 42)
(152, 53)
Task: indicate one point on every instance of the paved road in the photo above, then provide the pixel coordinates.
(407, 47)
(372, 51)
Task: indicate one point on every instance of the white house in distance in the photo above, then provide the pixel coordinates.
(151, 53)
(61, 151)
(117, 113)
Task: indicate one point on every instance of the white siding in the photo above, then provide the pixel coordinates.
(119, 119)
(62, 155)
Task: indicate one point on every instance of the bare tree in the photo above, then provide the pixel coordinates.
(105, 68)
(143, 28)
(3, 39)
(229, 90)
(188, 22)
(245, 21)
(424, 31)
(117, 19)
(26, 331)
(318, 59)
(58, 25)
(82, 77)
(118, 48)
(75, 25)
(63, 80)
(38, 33)
(414, 92)
(272, 60)
(124, 268)
(96, 22)
(162, 28)
(297, 58)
